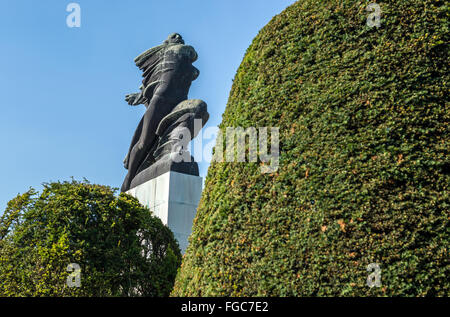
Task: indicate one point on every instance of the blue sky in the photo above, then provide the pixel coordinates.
(62, 89)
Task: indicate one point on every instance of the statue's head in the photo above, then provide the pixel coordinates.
(174, 38)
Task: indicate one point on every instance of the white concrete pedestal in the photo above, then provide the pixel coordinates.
(174, 198)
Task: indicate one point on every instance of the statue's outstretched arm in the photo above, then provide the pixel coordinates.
(135, 99)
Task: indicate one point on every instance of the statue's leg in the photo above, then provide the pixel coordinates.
(136, 136)
(159, 107)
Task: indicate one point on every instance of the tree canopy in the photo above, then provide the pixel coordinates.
(119, 246)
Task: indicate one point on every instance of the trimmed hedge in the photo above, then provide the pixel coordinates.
(364, 168)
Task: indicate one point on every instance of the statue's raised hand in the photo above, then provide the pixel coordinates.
(135, 99)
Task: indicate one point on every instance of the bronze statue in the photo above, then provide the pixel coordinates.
(168, 74)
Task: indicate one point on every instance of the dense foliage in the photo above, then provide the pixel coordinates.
(121, 249)
(364, 159)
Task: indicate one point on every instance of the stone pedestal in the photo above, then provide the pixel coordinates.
(173, 197)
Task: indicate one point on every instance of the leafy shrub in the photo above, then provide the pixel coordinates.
(121, 248)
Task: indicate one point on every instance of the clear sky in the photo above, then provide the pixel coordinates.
(62, 89)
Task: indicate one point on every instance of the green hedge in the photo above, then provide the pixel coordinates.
(364, 169)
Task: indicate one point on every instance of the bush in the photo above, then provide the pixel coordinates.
(364, 172)
(121, 248)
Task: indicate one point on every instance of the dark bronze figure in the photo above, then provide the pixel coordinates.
(168, 74)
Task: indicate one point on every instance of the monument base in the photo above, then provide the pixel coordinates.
(173, 197)
(163, 166)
